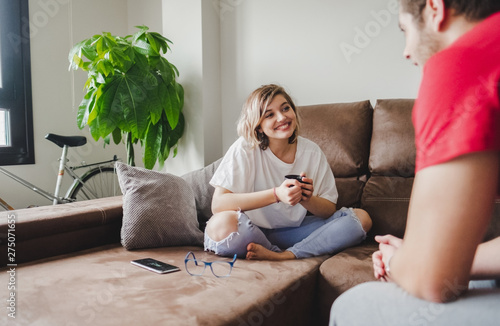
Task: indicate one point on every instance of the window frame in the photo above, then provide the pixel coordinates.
(16, 91)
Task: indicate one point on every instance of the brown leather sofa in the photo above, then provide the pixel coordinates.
(72, 270)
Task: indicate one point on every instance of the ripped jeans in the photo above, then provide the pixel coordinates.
(314, 237)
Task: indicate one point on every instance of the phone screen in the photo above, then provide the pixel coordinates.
(155, 265)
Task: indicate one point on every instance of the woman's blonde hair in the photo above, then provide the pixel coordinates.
(253, 111)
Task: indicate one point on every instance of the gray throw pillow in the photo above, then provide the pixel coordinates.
(199, 180)
(158, 209)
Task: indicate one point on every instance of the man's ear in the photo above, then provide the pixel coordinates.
(435, 14)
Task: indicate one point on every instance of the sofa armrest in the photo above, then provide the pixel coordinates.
(47, 231)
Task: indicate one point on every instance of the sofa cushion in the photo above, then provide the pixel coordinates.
(387, 200)
(342, 131)
(102, 287)
(203, 191)
(341, 272)
(158, 209)
(386, 195)
(350, 191)
(392, 149)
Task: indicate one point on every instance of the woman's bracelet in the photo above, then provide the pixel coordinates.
(276, 196)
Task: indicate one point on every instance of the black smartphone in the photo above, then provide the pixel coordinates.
(155, 265)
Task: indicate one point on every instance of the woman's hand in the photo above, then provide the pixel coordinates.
(307, 187)
(388, 245)
(289, 192)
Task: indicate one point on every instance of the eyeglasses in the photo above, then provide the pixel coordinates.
(219, 268)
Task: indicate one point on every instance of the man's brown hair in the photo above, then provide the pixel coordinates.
(473, 10)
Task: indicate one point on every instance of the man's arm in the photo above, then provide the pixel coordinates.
(450, 208)
(486, 263)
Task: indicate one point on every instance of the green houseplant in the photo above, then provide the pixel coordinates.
(131, 93)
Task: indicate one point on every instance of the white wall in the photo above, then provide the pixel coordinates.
(298, 45)
(223, 49)
(194, 28)
(183, 26)
(147, 13)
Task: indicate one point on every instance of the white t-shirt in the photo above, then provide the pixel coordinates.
(245, 170)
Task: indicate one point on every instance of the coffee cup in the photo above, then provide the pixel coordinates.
(294, 176)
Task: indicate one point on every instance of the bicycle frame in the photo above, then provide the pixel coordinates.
(79, 179)
(27, 184)
(56, 199)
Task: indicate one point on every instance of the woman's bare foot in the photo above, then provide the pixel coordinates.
(258, 252)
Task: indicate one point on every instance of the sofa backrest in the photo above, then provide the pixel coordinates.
(371, 153)
(343, 132)
(386, 195)
(47, 231)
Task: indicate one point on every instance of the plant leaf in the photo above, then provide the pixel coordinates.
(109, 112)
(75, 56)
(171, 137)
(154, 103)
(120, 58)
(165, 69)
(85, 108)
(117, 136)
(180, 94)
(88, 51)
(105, 67)
(160, 37)
(164, 148)
(161, 41)
(94, 129)
(175, 69)
(106, 140)
(124, 105)
(170, 102)
(177, 133)
(152, 145)
(154, 45)
(144, 47)
(142, 30)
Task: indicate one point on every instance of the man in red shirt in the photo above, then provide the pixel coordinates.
(457, 129)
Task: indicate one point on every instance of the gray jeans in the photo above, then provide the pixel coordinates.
(314, 237)
(378, 303)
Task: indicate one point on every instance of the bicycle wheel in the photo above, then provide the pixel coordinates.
(99, 182)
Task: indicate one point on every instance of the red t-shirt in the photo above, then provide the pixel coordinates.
(458, 106)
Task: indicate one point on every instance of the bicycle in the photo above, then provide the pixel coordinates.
(99, 181)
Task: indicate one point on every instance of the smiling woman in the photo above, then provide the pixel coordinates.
(261, 214)
(16, 122)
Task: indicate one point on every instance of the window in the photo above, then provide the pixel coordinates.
(4, 128)
(16, 119)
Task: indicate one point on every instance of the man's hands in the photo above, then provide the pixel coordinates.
(388, 245)
(292, 191)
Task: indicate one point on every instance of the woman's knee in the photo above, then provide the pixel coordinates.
(364, 218)
(221, 225)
